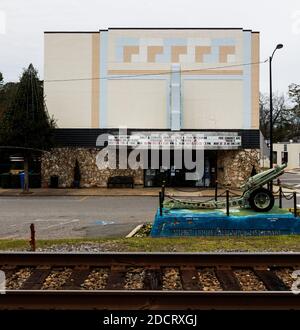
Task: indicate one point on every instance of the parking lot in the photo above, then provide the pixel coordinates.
(57, 217)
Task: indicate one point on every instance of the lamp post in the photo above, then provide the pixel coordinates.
(279, 46)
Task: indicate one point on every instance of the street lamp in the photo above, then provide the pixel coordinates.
(279, 46)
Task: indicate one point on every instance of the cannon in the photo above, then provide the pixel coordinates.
(254, 195)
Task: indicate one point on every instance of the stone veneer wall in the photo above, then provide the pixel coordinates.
(61, 162)
(235, 166)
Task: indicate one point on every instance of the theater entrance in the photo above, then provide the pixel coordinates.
(174, 177)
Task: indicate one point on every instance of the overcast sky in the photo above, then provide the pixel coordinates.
(22, 24)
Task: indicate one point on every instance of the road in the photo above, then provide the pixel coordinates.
(57, 217)
(67, 217)
(291, 179)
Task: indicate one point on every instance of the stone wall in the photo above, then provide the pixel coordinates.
(61, 162)
(235, 166)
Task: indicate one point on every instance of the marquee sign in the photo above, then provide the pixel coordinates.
(185, 140)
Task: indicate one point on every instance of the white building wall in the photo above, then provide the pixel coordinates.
(136, 103)
(293, 150)
(68, 56)
(212, 104)
(124, 78)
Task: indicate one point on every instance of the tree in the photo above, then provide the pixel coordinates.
(1, 93)
(282, 116)
(26, 124)
(7, 93)
(294, 94)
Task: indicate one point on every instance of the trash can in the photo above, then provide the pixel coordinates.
(22, 179)
(54, 181)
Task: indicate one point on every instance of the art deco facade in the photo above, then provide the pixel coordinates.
(155, 80)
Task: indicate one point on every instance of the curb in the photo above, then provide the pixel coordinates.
(108, 195)
(111, 193)
(134, 231)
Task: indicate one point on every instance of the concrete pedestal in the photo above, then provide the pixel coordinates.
(240, 222)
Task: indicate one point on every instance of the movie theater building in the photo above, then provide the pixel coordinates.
(154, 82)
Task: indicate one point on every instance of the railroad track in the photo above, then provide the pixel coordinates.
(149, 281)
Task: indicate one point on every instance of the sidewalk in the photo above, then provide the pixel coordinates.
(137, 191)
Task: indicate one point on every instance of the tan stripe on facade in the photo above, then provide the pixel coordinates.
(255, 81)
(200, 51)
(152, 52)
(224, 52)
(128, 51)
(95, 81)
(215, 72)
(188, 72)
(177, 51)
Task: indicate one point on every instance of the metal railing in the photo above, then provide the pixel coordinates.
(228, 193)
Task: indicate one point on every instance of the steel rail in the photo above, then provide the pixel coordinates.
(66, 299)
(145, 258)
(150, 300)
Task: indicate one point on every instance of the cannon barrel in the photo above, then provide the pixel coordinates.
(262, 178)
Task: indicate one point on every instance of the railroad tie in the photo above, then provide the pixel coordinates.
(227, 279)
(9, 271)
(153, 279)
(270, 280)
(36, 278)
(78, 275)
(116, 278)
(190, 279)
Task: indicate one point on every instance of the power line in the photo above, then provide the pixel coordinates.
(157, 73)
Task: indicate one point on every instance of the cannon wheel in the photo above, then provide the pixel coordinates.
(261, 200)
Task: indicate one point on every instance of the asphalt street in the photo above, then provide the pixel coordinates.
(291, 179)
(58, 217)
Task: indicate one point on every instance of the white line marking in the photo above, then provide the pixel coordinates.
(61, 224)
(83, 198)
(10, 236)
(46, 220)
